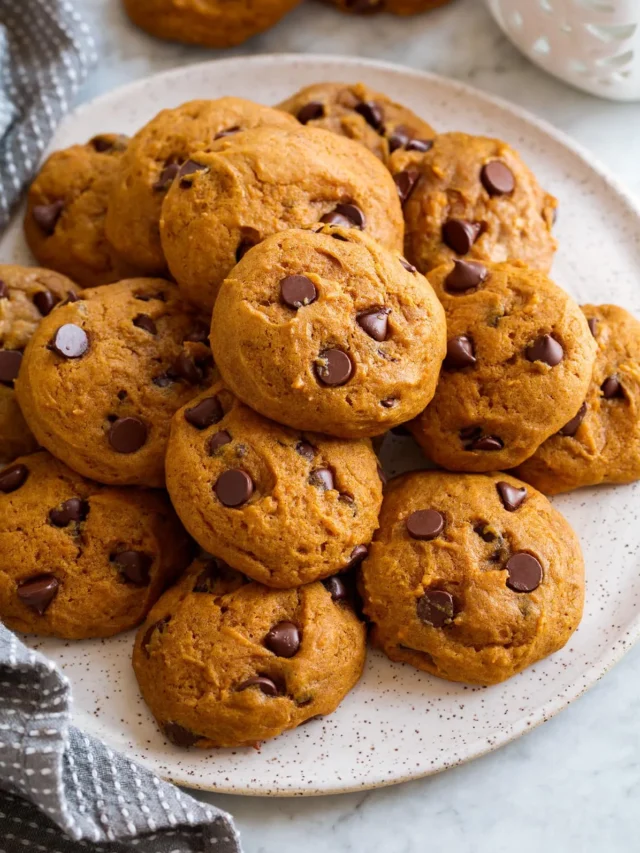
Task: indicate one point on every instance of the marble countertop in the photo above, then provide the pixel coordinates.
(574, 783)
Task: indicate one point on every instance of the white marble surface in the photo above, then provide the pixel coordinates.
(573, 784)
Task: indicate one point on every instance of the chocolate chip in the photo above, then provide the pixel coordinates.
(525, 572)
(4, 289)
(46, 215)
(436, 608)
(357, 556)
(545, 349)
(283, 639)
(485, 531)
(389, 402)
(228, 132)
(322, 477)
(134, 566)
(38, 592)
(511, 496)
(405, 183)
(611, 387)
(335, 586)
(75, 509)
(497, 178)
(13, 477)
(310, 112)
(243, 248)
(398, 138)
(460, 353)
(45, 301)
(144, 321)
(188, 170)
(409, 267)
(593, 325)
(486, 442)
(334, 367)
(266, 685)
(70, 341)
(381, 475)
(199, 333)
(371, 113)
(363, 7)
(127, 435)
(160, 625)
(571, 428)
(464, 276)
(346, 215)
(234, 487)
(375, 322)
(10, 361)
(104, 143)
(166, 177)
(205, 414)
(306, 450)
(470, 432)
(460, 235)
(71, 297)
(297, 290)
(218, 440)
(178, 735)
(421, 145)
(184, 367)
(425, 524)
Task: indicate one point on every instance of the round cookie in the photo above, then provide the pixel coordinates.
(282, 506)
(519, 361)
(222, 662)
(66, 208)
(81, 560)
(362, 114)
(152, 160)
(472, 578)
(27, 294)
(328, 331)
(473, 198)
(103, 376)
(212, 23)
(601, 443)
(264, 181)
(395, 7)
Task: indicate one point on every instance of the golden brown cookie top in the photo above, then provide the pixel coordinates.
(361, 114)
(66, 208)
(152, 160)
(471, 577)
(519, 362)
(472, 197)
(283, 506)
(601, 443)
(329, 331)
(264, 181)
(109, 552)
(103, 376)
(221, 662)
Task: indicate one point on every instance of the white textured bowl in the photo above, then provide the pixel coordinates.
(592, 44)
(398, 723)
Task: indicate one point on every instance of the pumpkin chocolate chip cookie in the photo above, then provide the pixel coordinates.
(27, 294)
(471, 577)
(66, 208)
(360, 113)
(154, 157)
(103, 376)
(212, 23)
(254, 184)
(282, 506)
(519, 361)
(221, 662)
(472, 198)
(328, 331)
(601, 442)
(81, 560)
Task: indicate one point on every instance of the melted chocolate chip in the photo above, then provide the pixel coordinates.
(187, 171)
(546, 349)
(525, 572)
(264, 684)
(511, 496)
(571, 428)
(464, 276)
(234, 487)
(375, 323)
(425, 524)
(12, 477)
(406, 182)
(207, 413)
(144, 321)
(357, 556)
(229, 131)
(310, 112)
(127, 435)
(460, 235)
(345, 215)
(371, 112)
(45, 301)
(70, 341)
(334, 367)
(436, 608)
(166, 177)
(335, 586)
(38, 592)
(323, 478)
(199, 333)
(134, 566)
(283, 639)
(297, 290)
(611, 388)
(72, 510)
(460, 353)
(46, 216)
(218, 440)
(178, 735)
(306, 450)
(497, 178)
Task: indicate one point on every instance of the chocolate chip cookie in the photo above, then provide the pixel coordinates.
(471, 577)
(284, 507)
(473, 198)
(328, 331)
(254, 184)
(154, 157)
(519, 361)
(222, 662)
(66, 208)
(601, 442)
(27, 294)
(103, 375)
(362, 114)
(395, 7)
(81, 560)
(212, 23)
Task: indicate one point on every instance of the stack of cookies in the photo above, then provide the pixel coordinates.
(239, 303)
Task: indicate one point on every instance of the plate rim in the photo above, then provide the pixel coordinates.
(482, 745)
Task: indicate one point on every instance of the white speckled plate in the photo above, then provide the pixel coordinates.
(398, 723)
